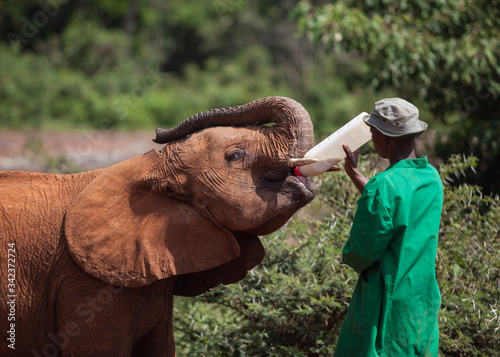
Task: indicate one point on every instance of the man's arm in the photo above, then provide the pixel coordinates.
(371, 233)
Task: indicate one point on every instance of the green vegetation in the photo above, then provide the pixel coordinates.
(136, 65)
(294, 302)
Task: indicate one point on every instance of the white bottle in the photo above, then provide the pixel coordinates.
(329, 152)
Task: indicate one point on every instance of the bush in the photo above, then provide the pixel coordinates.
(469, 267)
(294, 302)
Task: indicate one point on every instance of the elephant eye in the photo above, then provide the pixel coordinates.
(235, 156)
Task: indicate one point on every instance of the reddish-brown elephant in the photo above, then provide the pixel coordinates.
(91, 261)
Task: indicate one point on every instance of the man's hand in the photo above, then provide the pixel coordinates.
(351, 168)
(334, 169)
(351, 160)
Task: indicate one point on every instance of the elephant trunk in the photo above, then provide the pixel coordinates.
(291, 118)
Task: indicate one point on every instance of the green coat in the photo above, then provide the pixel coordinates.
(393, 241)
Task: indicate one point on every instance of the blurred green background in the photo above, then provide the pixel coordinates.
(133, 65)
(138, 64)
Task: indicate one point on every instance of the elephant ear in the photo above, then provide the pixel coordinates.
(252, 253)
(122, 233)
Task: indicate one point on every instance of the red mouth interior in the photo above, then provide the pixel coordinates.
(305, 181)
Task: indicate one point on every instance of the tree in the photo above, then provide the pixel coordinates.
(445, 54)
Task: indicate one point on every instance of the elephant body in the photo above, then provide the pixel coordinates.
(91, 261)
(58, 305)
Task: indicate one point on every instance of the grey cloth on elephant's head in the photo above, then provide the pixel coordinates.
(396, 117)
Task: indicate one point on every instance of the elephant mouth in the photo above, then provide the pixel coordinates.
(302, 187)
(304, 181)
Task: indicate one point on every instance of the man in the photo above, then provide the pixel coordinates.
(393, 242)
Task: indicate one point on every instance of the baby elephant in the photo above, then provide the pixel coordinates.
(91, 261)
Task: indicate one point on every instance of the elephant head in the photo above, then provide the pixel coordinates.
(194, 209)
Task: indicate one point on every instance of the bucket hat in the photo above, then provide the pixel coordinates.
(396, 117)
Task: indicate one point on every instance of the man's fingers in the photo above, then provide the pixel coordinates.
(334, 168)
(347, 150)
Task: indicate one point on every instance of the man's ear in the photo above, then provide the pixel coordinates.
(123, 233)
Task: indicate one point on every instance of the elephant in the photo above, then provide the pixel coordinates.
(91, 261)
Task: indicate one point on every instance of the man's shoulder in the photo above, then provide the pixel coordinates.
(404, 177)
(382, 179)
